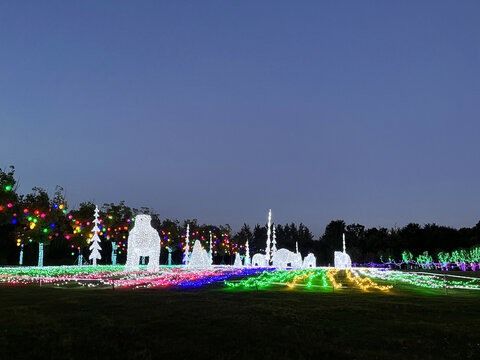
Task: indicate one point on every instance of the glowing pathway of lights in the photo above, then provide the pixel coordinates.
(265, 279)
(117, 277)
(179, 278)
(331, 277)
(365, 283)
(248, 278)
(289, 278)
(426, 280)
(51, 274)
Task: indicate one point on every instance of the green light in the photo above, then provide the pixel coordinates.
(431, 281)
(64, 211)
(268, 278)
(8, 188)
(35, 220)
(29, 218)
(45, 230)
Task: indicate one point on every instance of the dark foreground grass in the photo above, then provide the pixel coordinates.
(56, 323)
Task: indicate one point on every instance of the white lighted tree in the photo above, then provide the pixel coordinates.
(267, 248)
(95, 247)
(186, 255)
(274, 242)
(210, 254)
(247, 254)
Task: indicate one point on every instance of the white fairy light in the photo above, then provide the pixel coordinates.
(267, 248)
(247, 255)
(95, 247)
(342, 259)
(259, 260)
(143, 240)
(238, 260)
(274, 242)
(310, 261)
(210, 254)
(283, 258)
(199, 258)
(186, 255)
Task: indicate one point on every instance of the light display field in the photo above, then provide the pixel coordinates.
(364, 279)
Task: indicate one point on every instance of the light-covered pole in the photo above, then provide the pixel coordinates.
(187, 248)
(274, 242)
(267, 249)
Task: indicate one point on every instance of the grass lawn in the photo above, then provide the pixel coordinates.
(274, 323)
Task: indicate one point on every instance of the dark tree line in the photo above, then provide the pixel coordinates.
(380, 245)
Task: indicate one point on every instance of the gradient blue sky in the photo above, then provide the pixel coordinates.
(366, 111)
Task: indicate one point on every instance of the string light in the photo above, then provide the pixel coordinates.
(365, 283)
(431, 281)
(331, 277)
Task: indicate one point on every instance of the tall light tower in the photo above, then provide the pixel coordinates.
(186, 256)
(267, 249)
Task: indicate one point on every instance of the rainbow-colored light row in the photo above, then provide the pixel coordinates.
(117, 276)
(244, 278)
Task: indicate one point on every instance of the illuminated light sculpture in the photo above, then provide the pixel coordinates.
(206, 257)
(342, 259)
(283, 257)
(310, 261)
(267, 248)
(274, 242)
(247, 255)
(199, 256)
(95, 247)
(20, 262)
(114, 253)
(143, 240)
(40, 254)
(186, 255)
(238, 260)
(210, 254)
(365, 283)
(259, 260)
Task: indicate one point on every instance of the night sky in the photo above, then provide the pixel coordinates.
(366, 111)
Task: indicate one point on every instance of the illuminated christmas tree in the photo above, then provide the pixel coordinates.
(247, 254)
(95, 247)
(186, 255)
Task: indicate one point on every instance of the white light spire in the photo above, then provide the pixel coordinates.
(274, 242)
(210, 255)
(95, 247)
(187, 248)
(267, 248)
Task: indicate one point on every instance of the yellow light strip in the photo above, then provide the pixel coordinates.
(366, 283)
(298, 277)
(331, 276)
